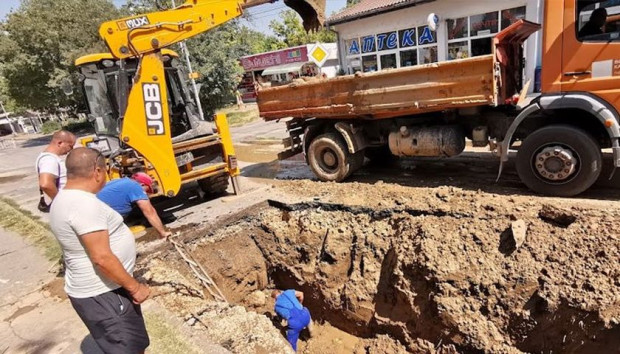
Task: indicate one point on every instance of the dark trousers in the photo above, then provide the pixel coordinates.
(114, 321)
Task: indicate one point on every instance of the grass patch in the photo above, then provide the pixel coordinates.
(240, 116)
(23, 222)
(164, 337)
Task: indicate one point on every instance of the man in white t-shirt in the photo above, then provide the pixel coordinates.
(99, 253)
(50, 168)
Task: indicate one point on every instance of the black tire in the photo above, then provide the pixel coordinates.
(582, 147)
(214, 186)
(330, 160)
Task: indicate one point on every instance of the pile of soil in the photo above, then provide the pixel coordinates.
(445, 270)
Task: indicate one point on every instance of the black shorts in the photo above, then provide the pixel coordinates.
(114, 321)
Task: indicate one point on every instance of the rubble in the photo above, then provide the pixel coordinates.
(556, 215)
(406, 271)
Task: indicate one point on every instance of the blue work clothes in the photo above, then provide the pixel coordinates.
(298, 317)
(120, 194)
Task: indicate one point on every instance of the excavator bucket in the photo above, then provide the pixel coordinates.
(312, 12)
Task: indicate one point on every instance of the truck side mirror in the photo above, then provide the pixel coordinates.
(67, 86)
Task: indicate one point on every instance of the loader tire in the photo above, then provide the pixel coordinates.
(330, 159)
(214, 186)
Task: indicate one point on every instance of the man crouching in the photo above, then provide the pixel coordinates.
(100, 254)
(289, 307)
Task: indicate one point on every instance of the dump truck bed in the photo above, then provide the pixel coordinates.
(384, 94)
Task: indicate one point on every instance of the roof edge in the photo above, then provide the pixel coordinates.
(379, 11)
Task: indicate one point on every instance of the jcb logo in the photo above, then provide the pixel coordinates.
(153, 109)
(133, 23)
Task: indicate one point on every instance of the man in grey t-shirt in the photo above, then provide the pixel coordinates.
(99, 252)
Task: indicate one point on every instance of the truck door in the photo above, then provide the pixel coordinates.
(591, 48)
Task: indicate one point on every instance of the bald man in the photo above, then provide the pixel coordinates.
(51, 168)
(100, 254)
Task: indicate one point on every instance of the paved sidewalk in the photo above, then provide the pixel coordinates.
(35, 316)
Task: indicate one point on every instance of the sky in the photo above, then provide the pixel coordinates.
(261, 15)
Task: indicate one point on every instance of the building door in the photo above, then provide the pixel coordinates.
(591, 48)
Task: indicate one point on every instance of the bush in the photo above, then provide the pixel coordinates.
(50, 126)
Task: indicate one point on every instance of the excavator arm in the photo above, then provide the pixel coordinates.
(144, 113)
(142, 34)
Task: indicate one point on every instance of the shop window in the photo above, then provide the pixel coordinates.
(426, 36)
(387, 41)
(484, 24)
(369, 63)
(408, 58)
(511, 16)
(368, 44)
(472, 36)
(388, 61)
(407, 38)
(458, 28)
(354, 65)
(428, 55)
(458, 50)
(481, 46)
(598, 21)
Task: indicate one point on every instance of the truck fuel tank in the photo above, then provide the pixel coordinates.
(445, 140)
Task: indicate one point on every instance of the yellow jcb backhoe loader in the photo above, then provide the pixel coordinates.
(144, 116)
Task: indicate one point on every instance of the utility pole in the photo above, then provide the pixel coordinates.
(185, 53)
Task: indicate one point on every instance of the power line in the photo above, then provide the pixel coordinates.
(270, 10)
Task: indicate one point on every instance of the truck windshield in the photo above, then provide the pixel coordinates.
(101, 111)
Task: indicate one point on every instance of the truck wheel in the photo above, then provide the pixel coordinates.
(330, 160)
(214, 186)
(559, 160)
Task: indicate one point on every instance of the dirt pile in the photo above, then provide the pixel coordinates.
(437, 276)
(231, 326)
(401, 269)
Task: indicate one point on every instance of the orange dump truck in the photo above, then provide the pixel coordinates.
(430, 110)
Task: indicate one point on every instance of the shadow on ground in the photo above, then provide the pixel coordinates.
(40, 141)
(469, 171)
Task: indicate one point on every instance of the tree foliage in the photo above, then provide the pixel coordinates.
(291, 32)
(41, 42)
(215, 55)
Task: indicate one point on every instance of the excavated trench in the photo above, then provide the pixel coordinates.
(426, 280)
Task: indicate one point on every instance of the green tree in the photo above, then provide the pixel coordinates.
(352, 2)
(215, 55)
(259, 42)
(291, 31)
(40, 42)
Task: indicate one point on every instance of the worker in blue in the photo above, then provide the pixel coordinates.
(129, 196)
(289, 306)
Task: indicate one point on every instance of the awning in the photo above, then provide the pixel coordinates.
(283, 69)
